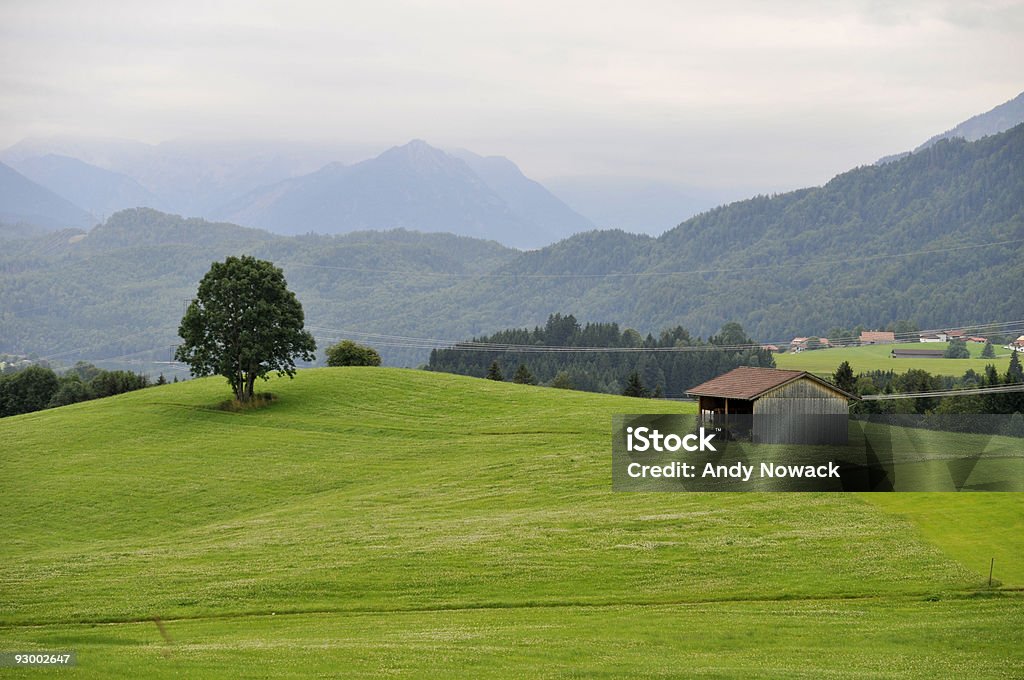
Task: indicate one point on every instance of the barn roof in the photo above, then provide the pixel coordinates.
(749, 382)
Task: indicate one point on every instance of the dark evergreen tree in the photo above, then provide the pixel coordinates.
(844, 379)
(992, 402)
(494, 372)
(989, 352)
(1014, 373)
(634, 386)
(523, 376)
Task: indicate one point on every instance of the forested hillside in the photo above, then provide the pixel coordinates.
(120, 291)
(936, 238)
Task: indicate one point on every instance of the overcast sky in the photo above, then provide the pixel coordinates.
(771, 95)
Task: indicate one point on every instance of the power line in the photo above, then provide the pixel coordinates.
(998, 389)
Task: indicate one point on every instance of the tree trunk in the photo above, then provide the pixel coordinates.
(250, 381)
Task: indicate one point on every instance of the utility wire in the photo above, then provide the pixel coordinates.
(998, 389)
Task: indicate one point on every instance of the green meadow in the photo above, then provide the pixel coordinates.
(397, 523)
(876, 358)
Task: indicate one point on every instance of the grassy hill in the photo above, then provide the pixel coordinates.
(387, 522)
(876, 358)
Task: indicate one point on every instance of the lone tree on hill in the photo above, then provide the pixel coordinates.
(989, 352)
(244, 323)
(348, 353)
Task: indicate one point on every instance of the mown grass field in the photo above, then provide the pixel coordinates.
(384, 522)
(876, 358)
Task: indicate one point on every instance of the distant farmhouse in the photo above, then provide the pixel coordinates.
(778, 407)
(946, 336)
(877, 337)
(800, 344)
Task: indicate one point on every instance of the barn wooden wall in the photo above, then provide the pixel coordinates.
(802, 412)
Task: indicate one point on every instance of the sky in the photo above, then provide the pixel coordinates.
(769, 95)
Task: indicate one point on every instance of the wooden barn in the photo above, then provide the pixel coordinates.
(776, 406)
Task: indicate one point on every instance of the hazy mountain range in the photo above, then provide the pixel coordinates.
(289, 190)
(296, 188)
(936, 237)
(186, 176)
(414, 186)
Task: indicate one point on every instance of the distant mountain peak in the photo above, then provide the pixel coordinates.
(414, 186)
(418, 154)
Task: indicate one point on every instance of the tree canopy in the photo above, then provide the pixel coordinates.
(349, 353)
(957, 349)
(844, 379)
(243, 324)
